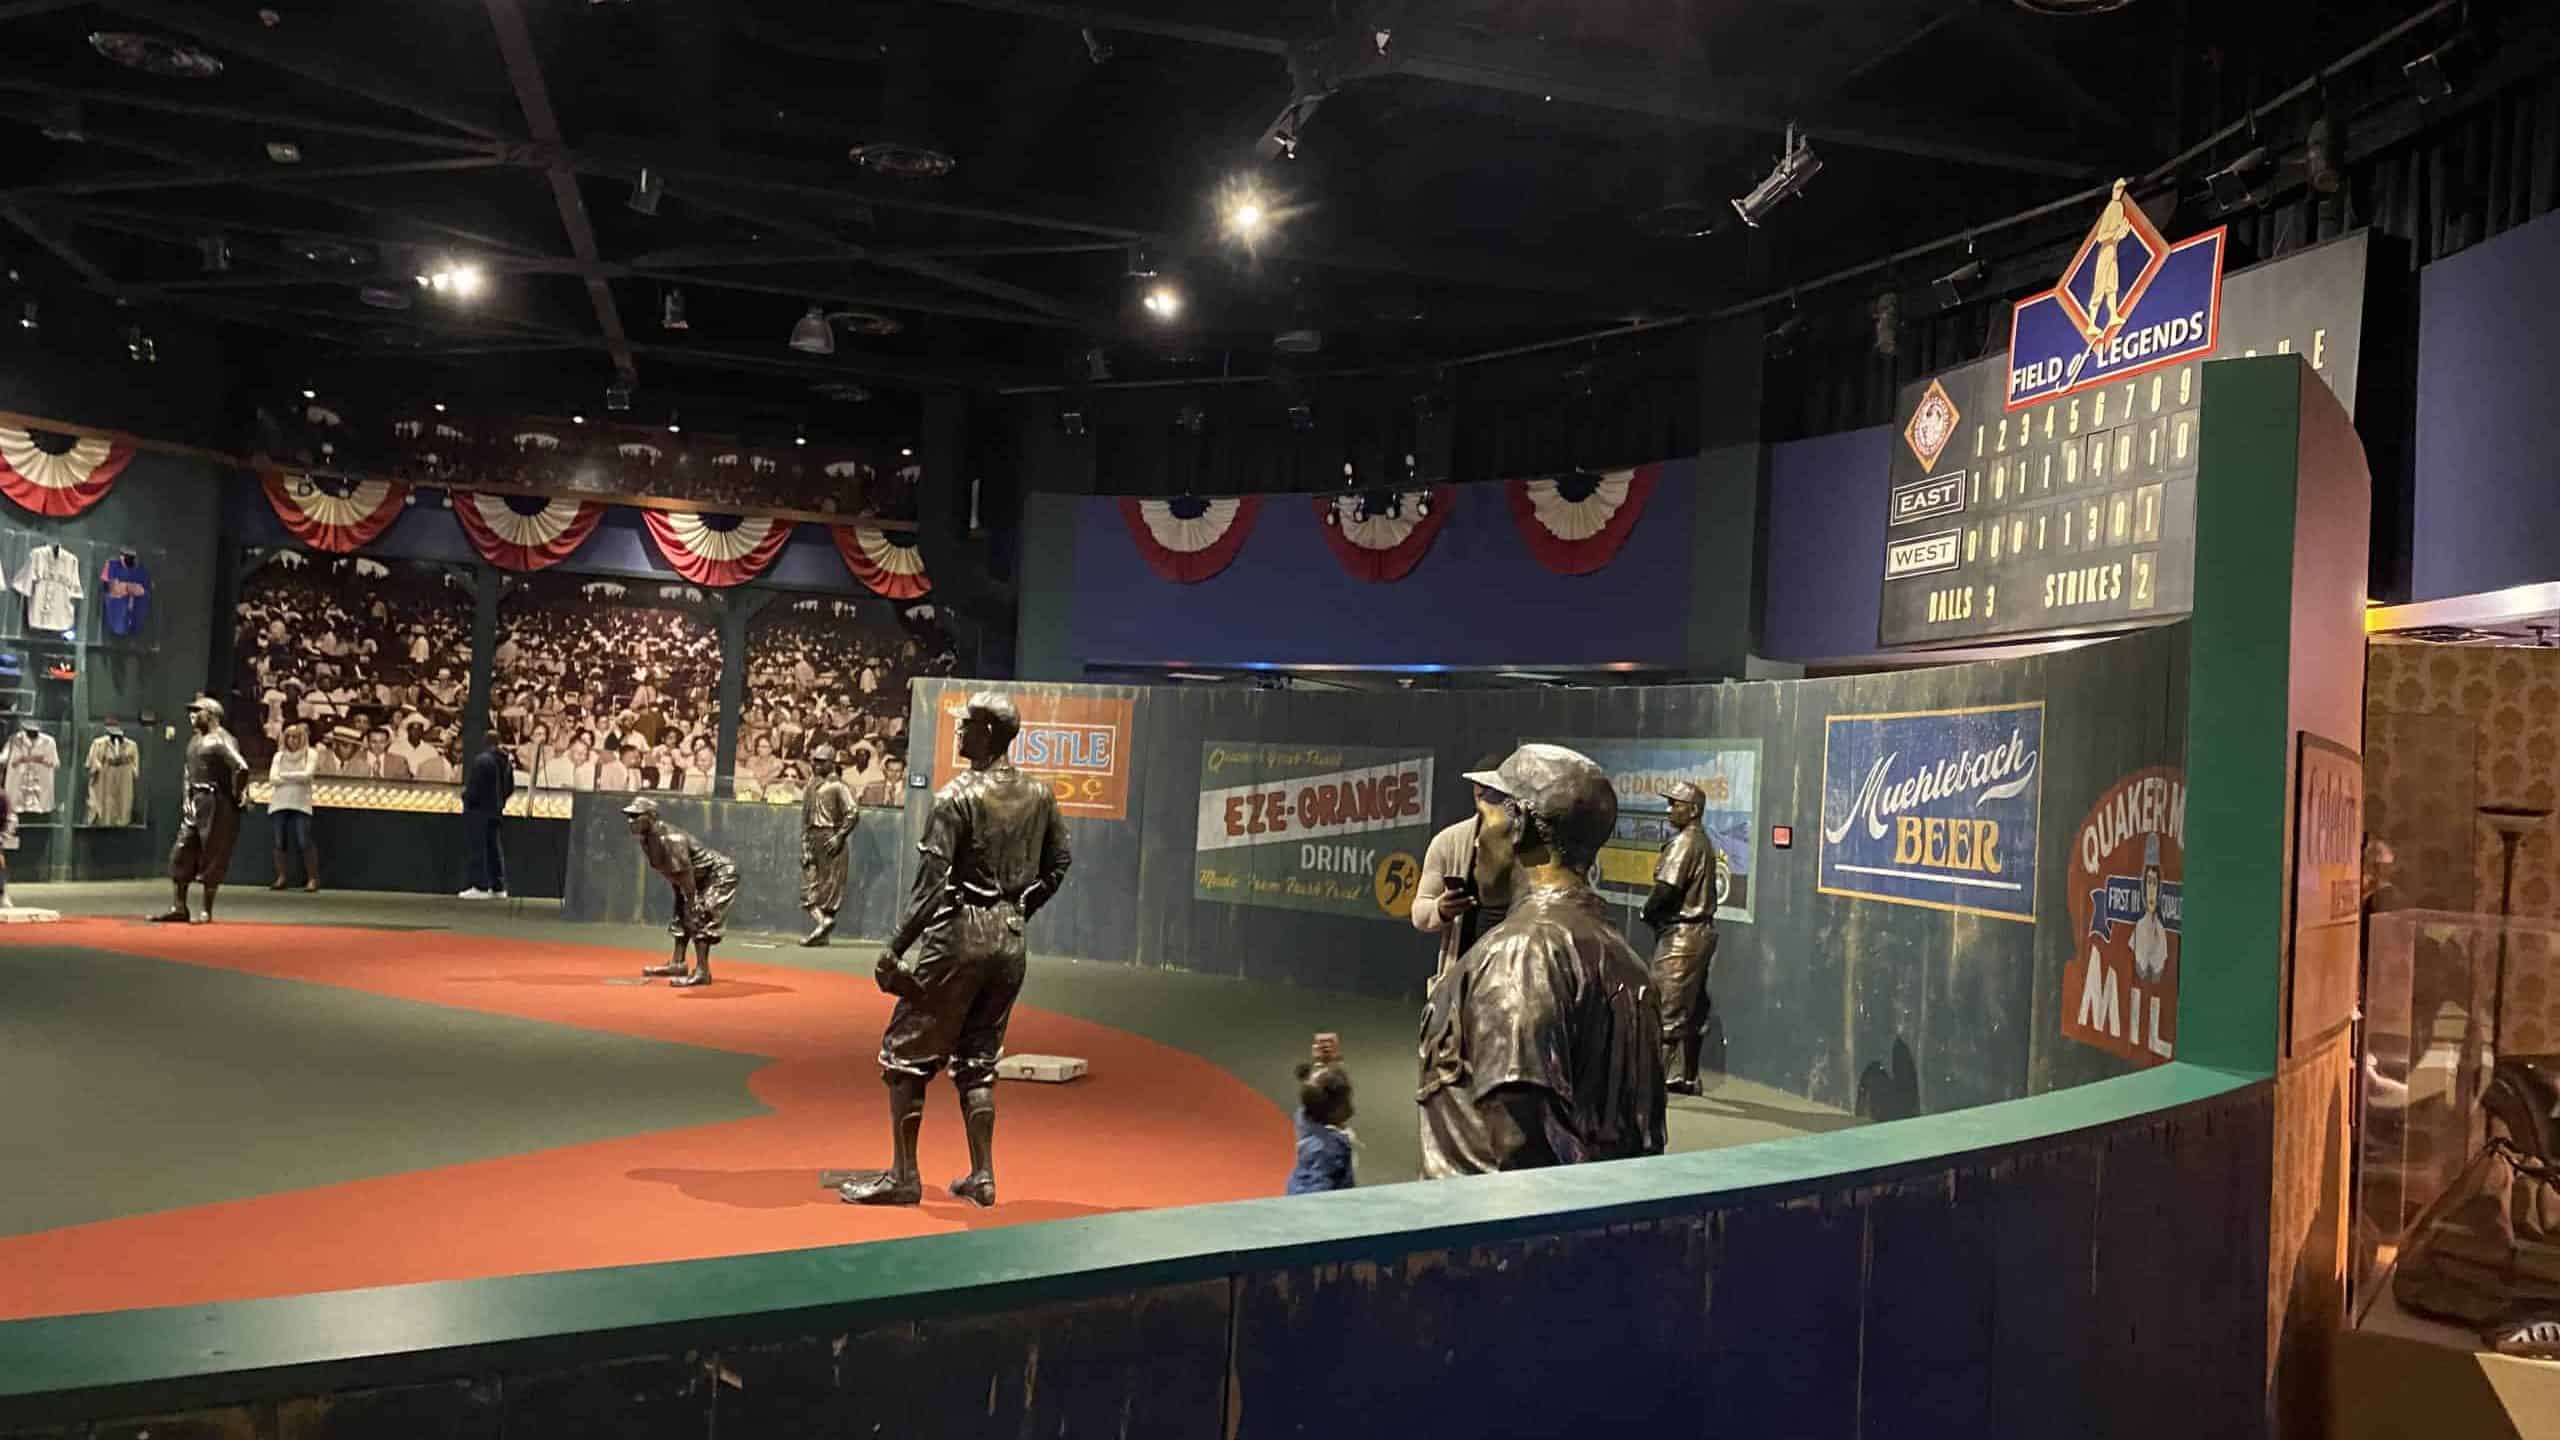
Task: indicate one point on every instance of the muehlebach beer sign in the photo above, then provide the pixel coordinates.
(2129, 302)
(1935, 808)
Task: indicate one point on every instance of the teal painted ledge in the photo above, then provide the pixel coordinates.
(190, 1355)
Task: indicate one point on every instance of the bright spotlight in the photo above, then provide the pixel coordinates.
(1245, 212)
(1163, 301)
(466, 280)
(454, 278)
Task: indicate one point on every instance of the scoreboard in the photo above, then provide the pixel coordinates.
(2053, 491)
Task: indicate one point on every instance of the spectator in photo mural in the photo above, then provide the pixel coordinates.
(411, 747)
(345, 753)
(436, 761)
(703, 770)
(789, 786)
(570, 769)
(893, 772)
(762, 765)
(378, 762)
(620, 771)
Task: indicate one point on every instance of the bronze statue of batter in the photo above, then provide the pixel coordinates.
(994, 851)
(1682, 912)
(217, 782)
(1541, 1045)
(705, 884)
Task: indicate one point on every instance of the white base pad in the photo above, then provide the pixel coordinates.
(1048, 1069)
(29, 915)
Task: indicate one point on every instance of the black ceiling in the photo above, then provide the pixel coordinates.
(1472, 177)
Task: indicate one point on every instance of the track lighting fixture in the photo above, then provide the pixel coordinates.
(1163, 300)
(646, 191)
(2230, 186)
(617, 395)
(1795, 170)
(1957, 285)
(27, 318)
(814, 334)
(671, 311)
(215, 252)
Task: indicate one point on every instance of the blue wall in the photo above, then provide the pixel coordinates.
(1478, 598)
(1826, 544)
(2488, 502)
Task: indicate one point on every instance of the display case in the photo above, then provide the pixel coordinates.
(2455, 1260)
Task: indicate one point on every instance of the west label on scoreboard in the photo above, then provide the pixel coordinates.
(2052, 490)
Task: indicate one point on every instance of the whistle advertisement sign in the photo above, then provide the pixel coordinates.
(1935, 808)
(1078, 744)
(1332, 828)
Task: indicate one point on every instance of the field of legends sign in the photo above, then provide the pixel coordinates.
(2128, 872)
(1338, 829)
(1935, 808)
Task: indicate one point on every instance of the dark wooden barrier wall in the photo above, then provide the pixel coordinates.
(2097, 1282)
(1810, 992)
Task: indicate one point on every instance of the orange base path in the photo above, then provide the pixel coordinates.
(1149, 1126)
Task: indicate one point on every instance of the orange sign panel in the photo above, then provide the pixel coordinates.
(1079, 744)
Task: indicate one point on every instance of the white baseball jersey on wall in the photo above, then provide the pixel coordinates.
(50, 581)
(32, 759)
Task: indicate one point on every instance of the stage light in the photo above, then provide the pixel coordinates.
(646, 190)
(675, 424)
(1956, 285)
(2426, 75)
(1096, 48)
(802, 438)
(462, 281)
(617, 395)
(137, 343)
(577, 419)
(309, 393)
(1787, 334)
(1071, 421)
(1163, 301)
(439, 407)
(1244, 212)
(1302, 416)
(1142, 262)
(813, 335)
(215, 252)
(284, 152)
(1795, 169)
(906, 452)
(671, 311)
(2229, 186)
(27, 317)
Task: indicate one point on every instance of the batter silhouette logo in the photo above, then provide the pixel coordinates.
(2128, 302)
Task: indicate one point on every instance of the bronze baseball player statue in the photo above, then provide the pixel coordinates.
(994, 851)
(217, 782)
(705, 885)
(1541, 1044)
(827, 817)
(1682, 912)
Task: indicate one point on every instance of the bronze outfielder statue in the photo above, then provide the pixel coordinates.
(827, 817)
(217, 782)
(994, 851)
(1682, 911)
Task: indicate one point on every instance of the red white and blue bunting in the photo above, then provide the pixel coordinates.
(515, 532)
(717, 550)
(886, 562)
(1574, 524)
(1188, 539)
(336, 516)
(1380, 535)
(59, 482)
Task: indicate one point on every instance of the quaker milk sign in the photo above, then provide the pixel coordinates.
(2128, 868)
(1935, 808)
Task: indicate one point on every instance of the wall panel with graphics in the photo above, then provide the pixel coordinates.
(1819, 994)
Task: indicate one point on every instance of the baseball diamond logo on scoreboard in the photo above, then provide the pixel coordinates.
(2128, 302)
(1932, 425)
